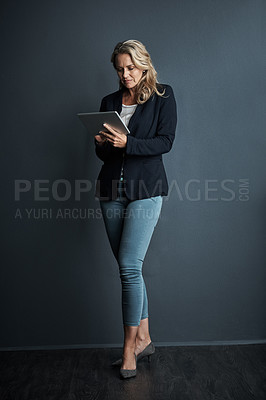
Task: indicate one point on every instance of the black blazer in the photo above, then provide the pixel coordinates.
(152, 132)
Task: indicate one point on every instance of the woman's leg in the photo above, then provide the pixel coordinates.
(143, 336)
(113, 215)
(139, 222)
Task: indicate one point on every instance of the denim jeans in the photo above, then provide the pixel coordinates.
(129, 226)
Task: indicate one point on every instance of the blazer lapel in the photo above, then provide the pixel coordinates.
(134, 117)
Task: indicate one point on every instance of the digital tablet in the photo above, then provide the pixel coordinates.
(94, 121)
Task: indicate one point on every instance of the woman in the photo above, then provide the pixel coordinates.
(132, 182)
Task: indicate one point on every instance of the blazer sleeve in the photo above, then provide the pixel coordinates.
(163, 141)
(104, 151)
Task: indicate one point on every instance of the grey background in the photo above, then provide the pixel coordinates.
(205, 268)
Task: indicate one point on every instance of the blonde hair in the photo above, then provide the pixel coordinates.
(148, 83)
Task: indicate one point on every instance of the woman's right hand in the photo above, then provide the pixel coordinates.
(100, 139)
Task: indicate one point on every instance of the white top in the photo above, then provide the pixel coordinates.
(127, 112)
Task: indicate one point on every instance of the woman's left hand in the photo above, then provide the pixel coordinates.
(116, 138)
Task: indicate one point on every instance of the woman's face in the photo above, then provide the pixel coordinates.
(128, 73)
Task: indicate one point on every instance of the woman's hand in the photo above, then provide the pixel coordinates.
(116, 138)
(100, 139)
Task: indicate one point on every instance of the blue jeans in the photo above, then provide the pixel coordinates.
(129, 226)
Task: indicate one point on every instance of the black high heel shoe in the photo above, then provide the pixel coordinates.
(129, 373)
(147, 352)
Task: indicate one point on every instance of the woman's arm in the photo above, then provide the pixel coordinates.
(103, 150)
(164, 139)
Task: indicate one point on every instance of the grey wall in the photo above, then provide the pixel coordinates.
(205, 269)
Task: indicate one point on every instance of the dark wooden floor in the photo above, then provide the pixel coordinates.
(183, 373)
